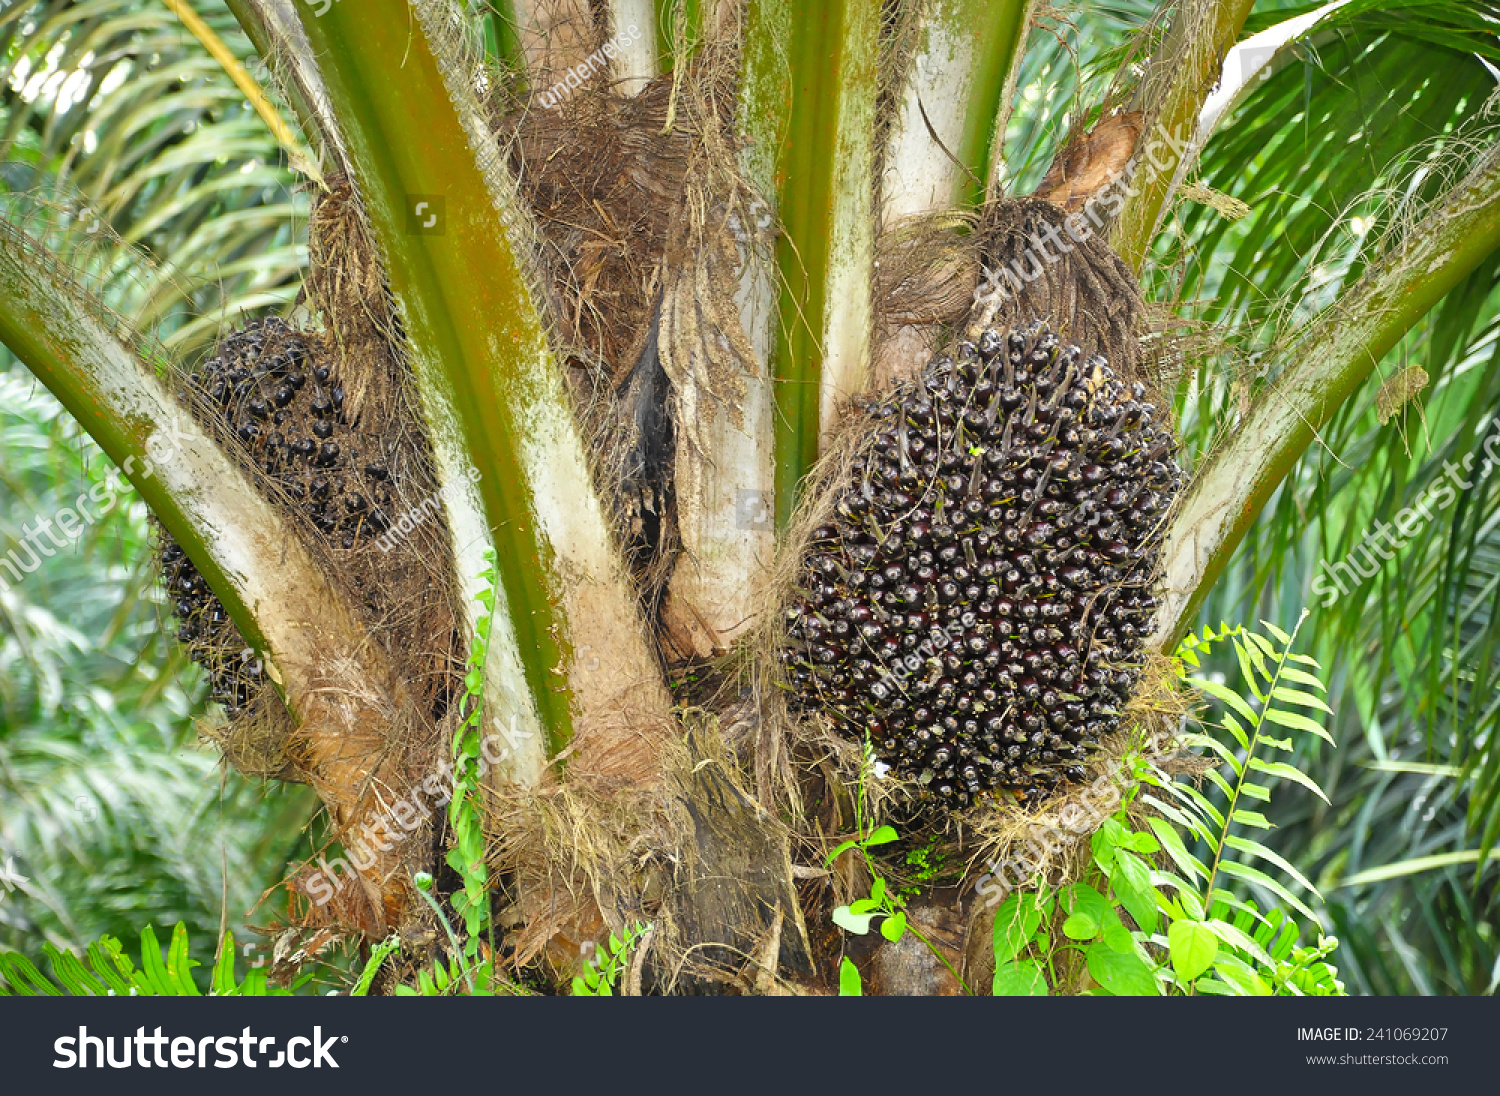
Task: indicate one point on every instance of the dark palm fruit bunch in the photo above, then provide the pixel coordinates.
(212, 640)
(284, 411)
(979, 603)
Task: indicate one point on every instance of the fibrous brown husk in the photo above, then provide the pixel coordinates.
(634, 201)
(704, 865)
(1012, 261)
(603, 177)
(1032, 267)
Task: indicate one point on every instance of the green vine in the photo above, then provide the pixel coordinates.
(602, 971)
(886, 902)
(466, 809)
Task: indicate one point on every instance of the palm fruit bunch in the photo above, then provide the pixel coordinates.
(282, 414)
(234, 671)
(979, 602)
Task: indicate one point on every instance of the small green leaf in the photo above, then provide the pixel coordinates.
(116, 973)
(1200, 801)
(378, 955)
(1291, 673)
(1080, 926)
(74, 976)
(1252, 818)
(1217, 779)
(1242, 655)
(1118, 937)
(1192, 948)
(1016, 921)
(1144, 844)
(849, 921)
(1281, 637)
(1192, 825)
(1132, 881)
(255, 984)
(1084, 899)
(179, 965)
(1288, 772)
(1123, 974)
(1256, 791)
(877, 890)
(1242, 979)
(1265, 646)
(1253, 875)
(1185, 861)
(1298, 722)
(1223, 693)
(850, 984)
(222, 983)
(1294, 696)
(1208, 742)
(152, 966)
(882, 836)
(1019, 978)
(1233, 725)
(839, 851)
(1254, 848)
(24, 978)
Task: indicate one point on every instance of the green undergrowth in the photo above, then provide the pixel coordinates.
(1178, 897)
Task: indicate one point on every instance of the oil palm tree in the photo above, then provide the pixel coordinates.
(605, 281)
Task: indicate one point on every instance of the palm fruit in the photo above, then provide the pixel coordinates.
(979, 602)
(281, 413)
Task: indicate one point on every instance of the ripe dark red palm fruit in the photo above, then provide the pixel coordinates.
(979, 601)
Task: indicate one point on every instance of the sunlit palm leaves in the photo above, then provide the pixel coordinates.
(112, 110)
